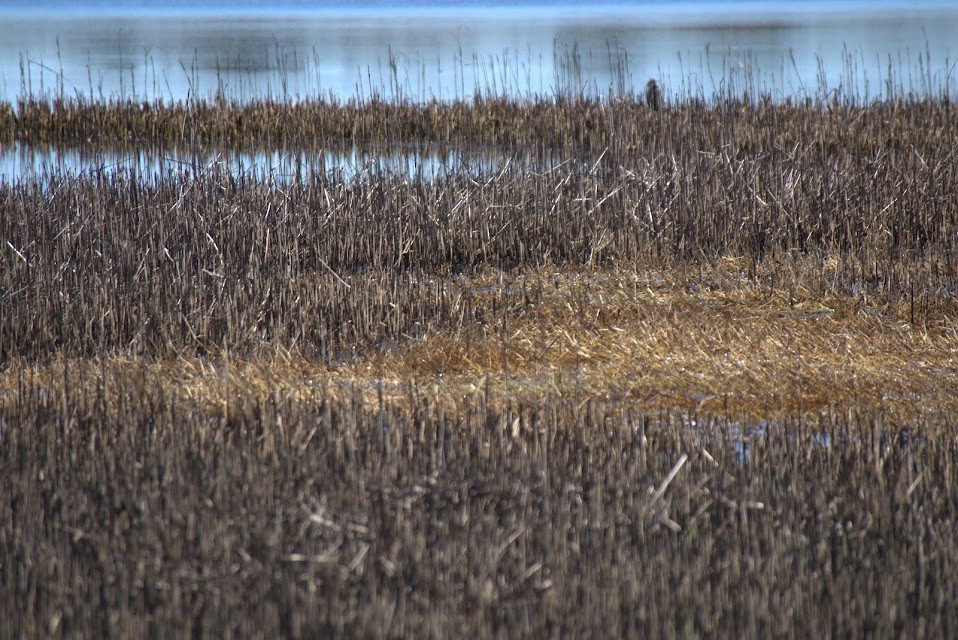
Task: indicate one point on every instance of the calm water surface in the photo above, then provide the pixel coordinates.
(298, 49)
(152, 164)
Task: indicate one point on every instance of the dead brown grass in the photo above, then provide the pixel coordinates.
(708, 340)
(715, 341)
(699, 385)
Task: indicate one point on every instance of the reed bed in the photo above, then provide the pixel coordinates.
(110, 261)
(128, 511)
(741, 125)
(708, 340)
(688, 372)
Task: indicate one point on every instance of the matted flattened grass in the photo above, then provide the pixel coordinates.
(711, 340)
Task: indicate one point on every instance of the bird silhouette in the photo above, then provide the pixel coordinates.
(653, 97)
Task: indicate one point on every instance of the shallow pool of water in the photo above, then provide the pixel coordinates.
(23, 162)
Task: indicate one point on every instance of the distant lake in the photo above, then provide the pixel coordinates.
(413, 50)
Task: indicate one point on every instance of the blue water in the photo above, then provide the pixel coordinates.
(151, 164)
(273, 6)
(294, 49)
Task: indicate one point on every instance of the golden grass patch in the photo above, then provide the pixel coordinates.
(710, 341)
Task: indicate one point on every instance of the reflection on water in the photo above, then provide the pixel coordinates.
(420, 53)
(25, 163)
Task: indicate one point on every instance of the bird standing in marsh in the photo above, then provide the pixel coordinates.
(653, 97)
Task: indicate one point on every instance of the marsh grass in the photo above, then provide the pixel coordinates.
(692, 375)
(586, 123)
(850, 204)
(707, 341)
(441, 512)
